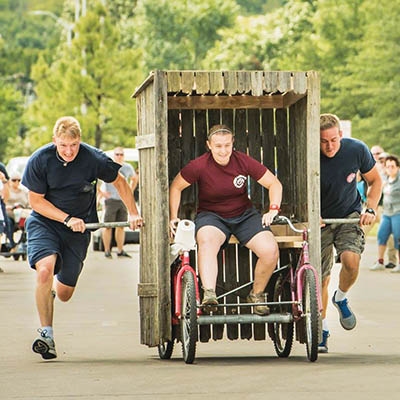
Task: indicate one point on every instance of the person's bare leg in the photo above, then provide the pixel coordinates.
(381, 251)
(325, 296)
(209, 241)
(106, 236)
(44, 284)
(120, 238)
(264, 246)
(349, 271)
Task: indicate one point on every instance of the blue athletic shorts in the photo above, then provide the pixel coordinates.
(47, 237)
(243, 227)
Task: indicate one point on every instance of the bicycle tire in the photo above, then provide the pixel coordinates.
(282, 333)
(311, 314)
(188, 322)
(166, 349)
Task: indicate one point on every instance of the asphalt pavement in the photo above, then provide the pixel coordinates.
(100, 355)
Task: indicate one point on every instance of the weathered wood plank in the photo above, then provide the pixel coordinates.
(187, 81)
(174, 81)
(202, 82)
(256, 78)
(299, 82)
(230, 82)
(224, 102)
(216, 82)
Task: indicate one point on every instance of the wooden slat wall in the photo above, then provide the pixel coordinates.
(148, 268)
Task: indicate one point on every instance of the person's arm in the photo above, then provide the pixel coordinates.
(5, 192)
(374, 192)
(175, 190)
(126, 194)
(133, 182)
(43, 207)
(274, 186)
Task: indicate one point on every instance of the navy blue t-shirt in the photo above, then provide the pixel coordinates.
(339, 194)
(71, 188)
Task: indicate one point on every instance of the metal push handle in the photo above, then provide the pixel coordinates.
(341, 220)
(98, 225)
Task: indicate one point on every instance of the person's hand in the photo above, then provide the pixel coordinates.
(76, 225)
(367, 218)
(321, 224)
(268, 217)
(135, 221)
(173, 224)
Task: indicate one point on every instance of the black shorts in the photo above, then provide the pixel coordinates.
(47, 237)
(243, 227)
(115, 211)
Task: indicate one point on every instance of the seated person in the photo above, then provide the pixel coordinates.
(224, 209)
(17, 205)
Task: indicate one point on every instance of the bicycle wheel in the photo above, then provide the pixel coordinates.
(311, 314)
(188, 321)
(165, 349)
(282, 333)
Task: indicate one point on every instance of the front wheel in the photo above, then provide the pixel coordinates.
(282, 333)
(165, 350)
(188, 321)
(310, 314)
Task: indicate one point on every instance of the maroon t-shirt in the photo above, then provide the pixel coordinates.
(223, 189)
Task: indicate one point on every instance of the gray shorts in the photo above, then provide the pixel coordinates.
(115, 211)
(244, 227)
(342, 237)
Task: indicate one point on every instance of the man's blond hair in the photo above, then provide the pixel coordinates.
(327, 121)
(67, 126)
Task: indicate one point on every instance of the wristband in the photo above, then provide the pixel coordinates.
(274, 207)
(370, 211)
(66, 220)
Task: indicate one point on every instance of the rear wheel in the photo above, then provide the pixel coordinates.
(282, 333)
(165, 350)
(188, 321)
(311, 314)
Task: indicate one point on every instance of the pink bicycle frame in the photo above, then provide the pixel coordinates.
(185, 266)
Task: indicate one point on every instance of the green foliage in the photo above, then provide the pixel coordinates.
(178, 34)
(11, 109)
(91, 80)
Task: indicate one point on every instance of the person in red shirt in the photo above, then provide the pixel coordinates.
(225, 209)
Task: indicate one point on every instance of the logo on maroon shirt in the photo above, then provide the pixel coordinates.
(239, 181)
(351, 177)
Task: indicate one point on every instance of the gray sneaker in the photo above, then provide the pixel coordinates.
(258, 298)
(346, 316)
(44, 345)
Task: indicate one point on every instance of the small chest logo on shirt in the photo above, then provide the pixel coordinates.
(239, 181)
(351, 177)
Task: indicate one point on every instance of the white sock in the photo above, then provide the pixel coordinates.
(339, 296)
(325, 325)
(48, 330)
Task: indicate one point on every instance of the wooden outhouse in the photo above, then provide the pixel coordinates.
(275, 117)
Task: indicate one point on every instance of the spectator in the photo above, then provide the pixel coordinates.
(17, 198)
(114, 207)
(380, 156)
(390, 221)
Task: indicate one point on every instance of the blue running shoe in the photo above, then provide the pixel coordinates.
(323, 346)
(347, 317)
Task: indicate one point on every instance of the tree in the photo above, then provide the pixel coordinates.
(11, 108)
(178, 34)
(92, 80)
